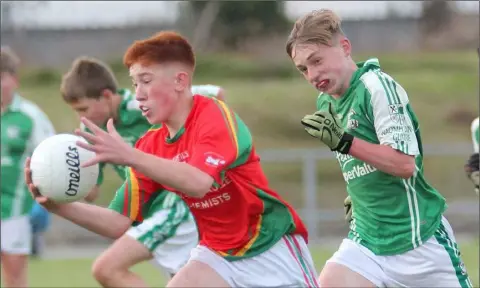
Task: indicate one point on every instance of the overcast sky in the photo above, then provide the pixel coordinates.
(106, 13)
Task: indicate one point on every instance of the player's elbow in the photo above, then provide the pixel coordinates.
(122, 225)
(92, 195)
(200, 185)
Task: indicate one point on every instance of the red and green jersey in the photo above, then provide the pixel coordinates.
(240, 216)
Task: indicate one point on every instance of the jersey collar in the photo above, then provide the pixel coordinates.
(363, 67)
(14, 105)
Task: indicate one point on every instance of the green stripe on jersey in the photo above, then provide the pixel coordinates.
(450, 246)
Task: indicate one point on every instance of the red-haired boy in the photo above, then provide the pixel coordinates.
(202, 150)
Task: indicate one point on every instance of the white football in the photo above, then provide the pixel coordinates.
(56, 171)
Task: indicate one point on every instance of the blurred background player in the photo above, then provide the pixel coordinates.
(472, 165)
(398, 234)
(90, 88)
(23, 127)
(40, 222)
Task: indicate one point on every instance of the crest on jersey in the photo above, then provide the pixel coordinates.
(351, 123)
(397, 113)
(13, 132)
(181, 157)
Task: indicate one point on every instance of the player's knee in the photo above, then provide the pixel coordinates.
(14, 267)
(104, 271)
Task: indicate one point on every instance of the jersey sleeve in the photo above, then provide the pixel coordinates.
(101, 166)
(42, 128)
(206, 90)
(475, 134)
(223, 141)
(391, 116)
(133, 195)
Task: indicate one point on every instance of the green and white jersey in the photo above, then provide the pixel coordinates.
(475, 135)
(206, 90)
(391, 215)
(24, 126)
(131, 124)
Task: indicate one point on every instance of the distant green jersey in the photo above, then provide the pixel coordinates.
(131, 124)
(475, 134)
(391, 215)
(23, 127)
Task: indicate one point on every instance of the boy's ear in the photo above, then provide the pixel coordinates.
(107, 94)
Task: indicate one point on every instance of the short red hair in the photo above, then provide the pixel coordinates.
(163, 47)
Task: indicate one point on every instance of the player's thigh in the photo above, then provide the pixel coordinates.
(124, 253)
(286, 264)
(436, 263)
(16, 236)
(174, 252)
(352, 265)
(197, 274)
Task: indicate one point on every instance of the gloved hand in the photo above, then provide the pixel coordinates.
(471, 169)
(347, 206)
(325, 126)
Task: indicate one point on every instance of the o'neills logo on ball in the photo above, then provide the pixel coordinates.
(73, 162)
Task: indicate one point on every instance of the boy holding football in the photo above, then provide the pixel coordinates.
(24, 126)
(398, 234)
(202, 151)
(168, 231)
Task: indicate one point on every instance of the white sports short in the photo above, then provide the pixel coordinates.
(436, 263)
(170, 247)
(16, 235)
(287, 264)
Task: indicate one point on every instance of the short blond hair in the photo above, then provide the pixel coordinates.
(9, 61)
(87, 78)
(317, 27)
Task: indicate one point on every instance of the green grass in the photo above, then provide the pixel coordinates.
(76, 272)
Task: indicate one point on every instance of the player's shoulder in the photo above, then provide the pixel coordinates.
(376, 83)
(211, 107)
(30, 110)
(475, 124)
(208, 90)
(129, 103)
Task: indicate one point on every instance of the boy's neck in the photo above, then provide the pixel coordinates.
(5, 102)
(352, 67)
(116, 101)
(180, 113)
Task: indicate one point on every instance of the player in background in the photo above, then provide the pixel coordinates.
(169, 231)
(472, 165)
(23, 127)
(398, 235)
(203, 151)
(40, 222)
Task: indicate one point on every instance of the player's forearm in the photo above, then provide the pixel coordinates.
(384, 158)
(180, 176)
(93, 194)
(99, 220)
